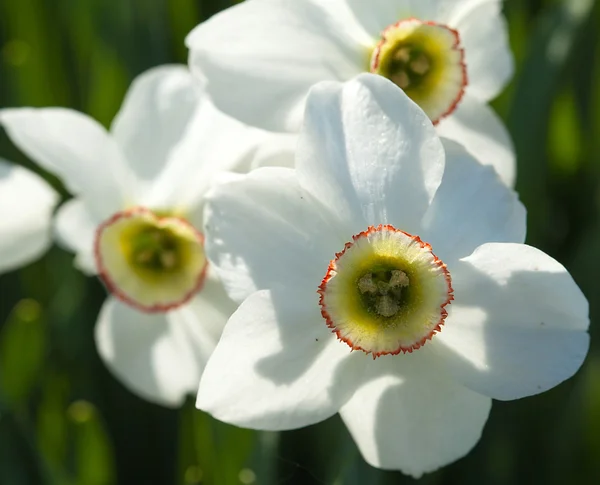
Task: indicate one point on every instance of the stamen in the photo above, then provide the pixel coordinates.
(420, 65)
(168, 259)
(401, 79)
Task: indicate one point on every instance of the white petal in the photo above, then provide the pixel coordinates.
(26, 205)
(210, 143)
(409, 418)
(471, 207)
(368, 152)
(154, 117)
(484, 37)
(479, 129)
(376, 15)
(78, 150)
(278, 150)
(75, 228)
(264, 232)
(211, 307)
(261, 57)
(158, 356)
(275, 366)
(518, 323)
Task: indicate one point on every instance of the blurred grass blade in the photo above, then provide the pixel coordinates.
(94, 461)
(591, 413)
(37, 71)
(551, 50)
(52, 425)
(223, 451)
(184, 15)
(22, 351)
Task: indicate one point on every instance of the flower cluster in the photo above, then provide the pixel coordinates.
(316, 217)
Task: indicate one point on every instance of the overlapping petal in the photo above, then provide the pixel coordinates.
(261, 57)
(264, 232)
(518, 324)
(78, 150)
(26, 205)
(479, 129)
(210, 143)
(471, 207)
(161, 356)
(484, 37)
(154, 116)
(409, 417)
(75, 228)
(274, 367)
(367, 150)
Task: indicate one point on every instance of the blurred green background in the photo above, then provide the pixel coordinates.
(65, 420)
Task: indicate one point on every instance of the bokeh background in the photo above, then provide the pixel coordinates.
(65, 420)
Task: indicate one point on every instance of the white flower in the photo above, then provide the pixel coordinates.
(261, 57)
(26, 205)
(389, 243)
(136, 220)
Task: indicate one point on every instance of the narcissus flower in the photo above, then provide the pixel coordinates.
(385, 278)
(451, 57)
(136, 221)
(26, 205)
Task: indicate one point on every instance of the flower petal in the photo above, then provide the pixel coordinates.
(78, 150)
(264, 232)
(210, 143)
(158, 356)
(205, 317)
(274, 366)
(484, 37)
(276, 151)
(518, 324)
(376, 15)
(409, 418)
(479, 129)
(367, 149)
(26, 205)
(261, 57)
(482, 210)
(75, 228)
(154, 117)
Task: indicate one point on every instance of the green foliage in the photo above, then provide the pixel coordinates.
(22, 349)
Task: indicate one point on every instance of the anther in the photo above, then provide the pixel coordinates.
(168, 259)
(420, 65)
(366, 284)
(399, 279)
(401, 79)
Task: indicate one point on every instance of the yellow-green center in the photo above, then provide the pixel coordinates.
(406, 65)
(426, 61)
(155, 249)
(153, 262)
(385, 293)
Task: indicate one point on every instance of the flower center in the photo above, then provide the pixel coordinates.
(426, 60)
(382, 291)
(153, 262)
(386, 292)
